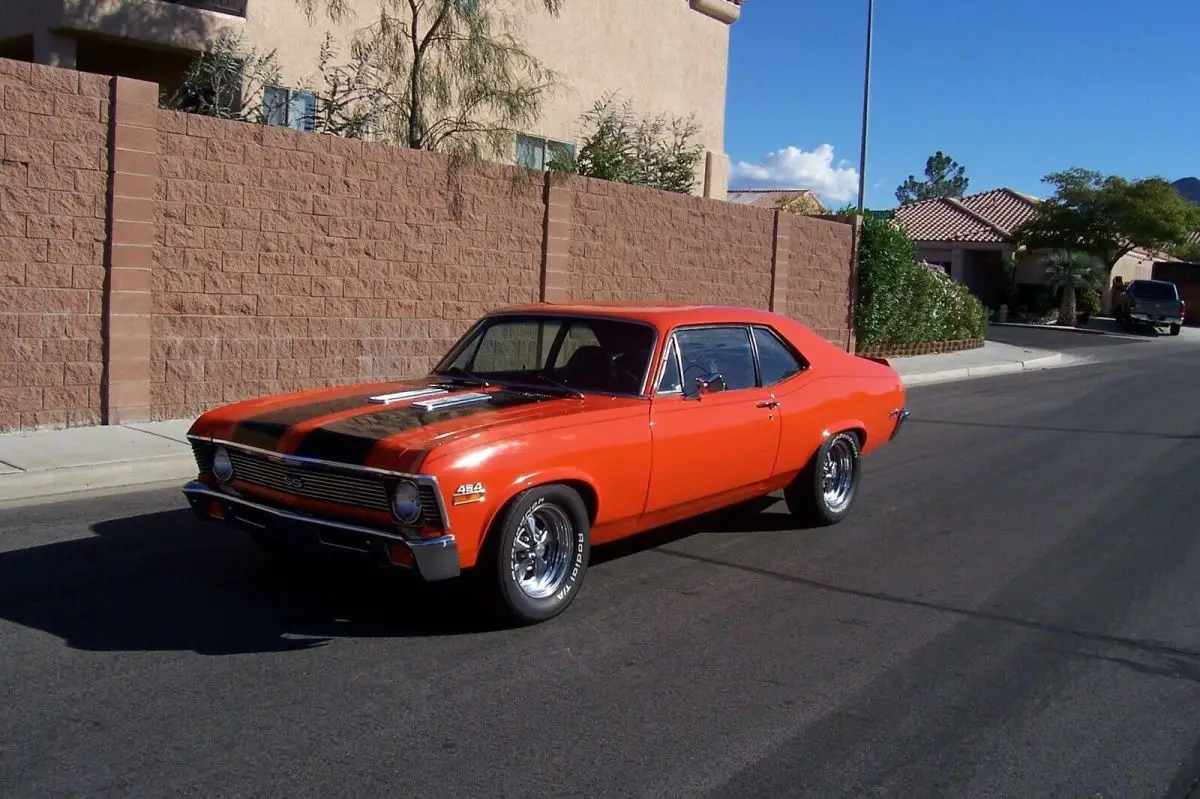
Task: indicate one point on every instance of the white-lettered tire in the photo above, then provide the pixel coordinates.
(824, 491)
(535, 559)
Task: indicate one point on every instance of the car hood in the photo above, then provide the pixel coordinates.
(388, 426)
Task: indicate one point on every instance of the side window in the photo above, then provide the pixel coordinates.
(775, 360)
(670, 381)
(724, 351)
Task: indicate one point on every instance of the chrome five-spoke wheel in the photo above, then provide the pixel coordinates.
(541, 551)
(537, 552)
(838, 469)
(824, 490)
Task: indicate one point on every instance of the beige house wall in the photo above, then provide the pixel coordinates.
(665, 56)
(1136, 265)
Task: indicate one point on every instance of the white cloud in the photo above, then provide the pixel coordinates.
(793, 168)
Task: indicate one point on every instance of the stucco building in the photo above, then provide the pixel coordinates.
(666, 56)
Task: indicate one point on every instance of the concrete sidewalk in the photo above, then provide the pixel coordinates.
(49, 462)
(53, 462)
(993, 358)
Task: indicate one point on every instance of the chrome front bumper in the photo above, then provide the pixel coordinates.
(435, 558)
(900, 415)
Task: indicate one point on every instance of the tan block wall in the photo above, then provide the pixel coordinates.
(53, 178)
(245, 260)
(626, 242)
(820, 277)
(289, 260)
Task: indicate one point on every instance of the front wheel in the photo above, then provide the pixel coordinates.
(537, 556)
(824, 491)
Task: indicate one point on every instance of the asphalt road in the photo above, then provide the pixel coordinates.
(1113, 345)
(1012, 610)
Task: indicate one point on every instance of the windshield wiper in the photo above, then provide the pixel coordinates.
(459, 376)
(562, 387)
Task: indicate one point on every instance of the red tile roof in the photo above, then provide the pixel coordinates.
(989, 216)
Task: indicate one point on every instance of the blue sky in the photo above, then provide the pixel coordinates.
(1012, 89)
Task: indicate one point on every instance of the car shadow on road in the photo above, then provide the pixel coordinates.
(169, 582)
(753, 516)
(166, 581)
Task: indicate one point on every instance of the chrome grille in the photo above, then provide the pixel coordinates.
(345, 487)
(365, 491)
(429, 505)
(203, 453)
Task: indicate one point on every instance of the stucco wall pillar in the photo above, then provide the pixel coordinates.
(131, 212)
(716, 175)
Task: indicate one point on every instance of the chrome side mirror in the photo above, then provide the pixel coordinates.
(706, 385)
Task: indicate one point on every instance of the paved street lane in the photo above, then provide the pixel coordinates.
(1013, 610)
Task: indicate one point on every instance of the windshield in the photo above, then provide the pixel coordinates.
(1153, 290)
(607, 356)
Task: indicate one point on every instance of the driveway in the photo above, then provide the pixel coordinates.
(1010, 611)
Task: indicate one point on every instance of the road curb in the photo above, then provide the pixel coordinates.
(72, 479)
(991, 370)
(1087, 331)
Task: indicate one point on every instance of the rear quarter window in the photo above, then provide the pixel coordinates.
(1153, 290)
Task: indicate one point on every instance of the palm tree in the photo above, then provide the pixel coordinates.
(1070, 270)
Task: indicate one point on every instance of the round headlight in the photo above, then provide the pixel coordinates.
(222, 466)
(406, 502)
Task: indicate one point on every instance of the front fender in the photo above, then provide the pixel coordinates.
(523, 482)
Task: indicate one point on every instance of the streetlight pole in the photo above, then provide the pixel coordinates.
(862, 154)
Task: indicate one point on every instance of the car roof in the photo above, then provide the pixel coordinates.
(659, 315)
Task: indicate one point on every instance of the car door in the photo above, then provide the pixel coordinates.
(784, 372)
(715, 443)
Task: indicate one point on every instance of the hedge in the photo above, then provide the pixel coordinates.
(901, 302)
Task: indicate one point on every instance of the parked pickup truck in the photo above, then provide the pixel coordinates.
(1153, 303)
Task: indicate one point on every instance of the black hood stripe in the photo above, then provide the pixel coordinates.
(351, 440)
(266, 430)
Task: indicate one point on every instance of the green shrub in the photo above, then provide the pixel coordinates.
(901, 301)
(1087, 303)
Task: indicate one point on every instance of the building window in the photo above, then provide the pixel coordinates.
(536, 152)
(289, 108)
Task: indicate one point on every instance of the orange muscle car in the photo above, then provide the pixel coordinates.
(547, 429)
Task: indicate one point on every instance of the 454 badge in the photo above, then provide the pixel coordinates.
(468, 493)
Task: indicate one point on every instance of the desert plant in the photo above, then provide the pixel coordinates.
(446, 75)
(1070, 271)
(622, 146)
(226, 81)
(1087, 305)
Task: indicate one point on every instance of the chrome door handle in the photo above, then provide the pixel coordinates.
(772, 404)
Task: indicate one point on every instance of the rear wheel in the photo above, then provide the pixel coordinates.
(1174, 330)
(535, 559)
(824, 491)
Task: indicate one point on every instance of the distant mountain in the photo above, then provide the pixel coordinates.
(1189, 188)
